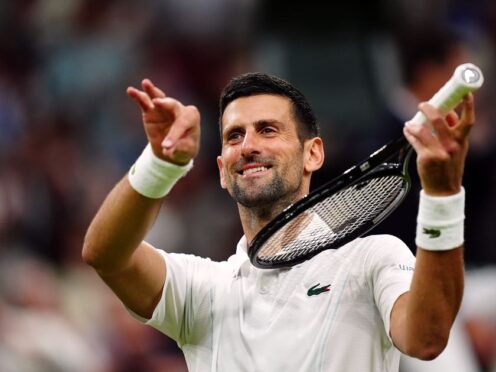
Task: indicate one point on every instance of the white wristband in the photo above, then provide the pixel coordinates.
(440, 221)
(153, 177)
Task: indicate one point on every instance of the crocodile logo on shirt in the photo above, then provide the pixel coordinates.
(433, 233)
(316, 290)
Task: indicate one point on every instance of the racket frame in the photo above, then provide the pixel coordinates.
(376, 165)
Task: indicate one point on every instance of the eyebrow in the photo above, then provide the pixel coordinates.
(266, 122)
(256, 123)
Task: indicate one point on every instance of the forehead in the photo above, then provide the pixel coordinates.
(260, 107)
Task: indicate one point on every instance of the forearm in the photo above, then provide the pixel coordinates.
(433, 302)
(118, 228)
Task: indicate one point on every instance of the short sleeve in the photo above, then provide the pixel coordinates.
(184, 310)
(390, 265)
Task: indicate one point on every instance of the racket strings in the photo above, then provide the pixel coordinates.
(335, 220)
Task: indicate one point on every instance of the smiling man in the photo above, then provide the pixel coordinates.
(350, 309)
(266, 159)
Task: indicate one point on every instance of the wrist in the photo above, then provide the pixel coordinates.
(447, 191)
(440, 221)
(153, 177)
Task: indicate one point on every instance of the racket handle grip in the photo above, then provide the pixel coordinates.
(466, 78)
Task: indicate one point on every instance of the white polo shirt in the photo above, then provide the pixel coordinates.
(330, 313)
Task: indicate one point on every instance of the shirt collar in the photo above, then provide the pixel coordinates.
(241, 257)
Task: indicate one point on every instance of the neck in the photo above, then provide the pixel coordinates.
(253, 219)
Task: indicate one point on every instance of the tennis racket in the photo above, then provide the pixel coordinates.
(356, 201)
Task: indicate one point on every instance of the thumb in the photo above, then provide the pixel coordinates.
(186, 122)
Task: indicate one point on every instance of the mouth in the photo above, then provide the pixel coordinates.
(253, 170)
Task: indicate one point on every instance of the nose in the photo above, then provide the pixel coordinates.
(250, 145)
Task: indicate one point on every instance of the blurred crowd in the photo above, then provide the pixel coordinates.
(68, 133)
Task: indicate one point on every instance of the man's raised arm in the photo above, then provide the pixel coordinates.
(114, 244)
(421, 319)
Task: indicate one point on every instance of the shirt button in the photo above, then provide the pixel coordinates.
(264, 284)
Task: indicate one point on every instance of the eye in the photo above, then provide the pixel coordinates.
(267, 130)
(234, 136)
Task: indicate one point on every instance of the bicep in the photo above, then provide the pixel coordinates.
(139, 285)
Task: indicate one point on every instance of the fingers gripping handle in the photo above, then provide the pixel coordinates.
(466, 78)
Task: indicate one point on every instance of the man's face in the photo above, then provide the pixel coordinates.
(262, 160)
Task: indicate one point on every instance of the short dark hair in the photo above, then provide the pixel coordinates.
(255, 83)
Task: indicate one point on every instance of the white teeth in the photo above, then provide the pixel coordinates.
(254, 170)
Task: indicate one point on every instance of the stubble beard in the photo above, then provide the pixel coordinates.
(256, 197)
(268, 200)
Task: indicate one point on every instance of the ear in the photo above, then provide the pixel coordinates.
(314, 154)
(221, 172)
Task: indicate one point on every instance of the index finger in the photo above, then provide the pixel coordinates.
(151, 89)
(438, 123)
(141, 98)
